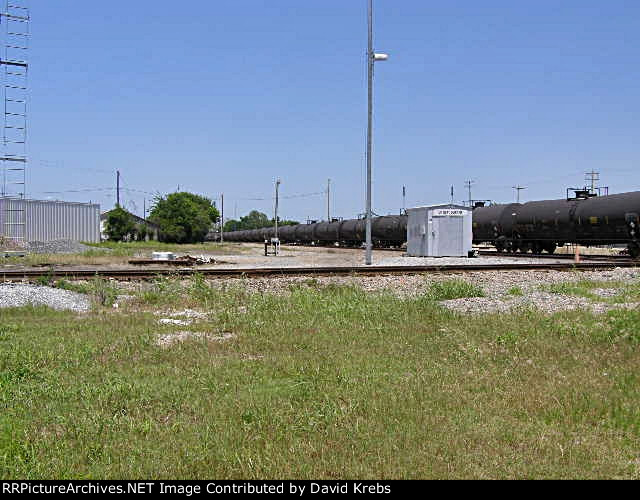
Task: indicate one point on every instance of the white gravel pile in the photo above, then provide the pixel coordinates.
(56, 246)
(546, 302)
(18, 295)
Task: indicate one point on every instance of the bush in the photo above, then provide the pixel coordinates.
(120, 224)
(183, 217)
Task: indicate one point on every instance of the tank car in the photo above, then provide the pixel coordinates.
(352, 232)
(543, 225)
(389, 231)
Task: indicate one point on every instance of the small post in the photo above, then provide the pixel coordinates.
(576, 254)
(278, 182)
(222, 218)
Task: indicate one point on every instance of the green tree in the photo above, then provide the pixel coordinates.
(141, 232)
(232, 225)
(183, 217)
(120, 225)
(255, 220)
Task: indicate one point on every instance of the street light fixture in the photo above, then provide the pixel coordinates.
(372, 58)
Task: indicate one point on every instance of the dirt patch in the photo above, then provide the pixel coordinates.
(177, 322)
(167, 340)
(187, 313)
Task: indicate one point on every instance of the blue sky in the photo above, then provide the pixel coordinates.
(224, 96)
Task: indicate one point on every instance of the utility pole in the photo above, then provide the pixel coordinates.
(452, 194)
(468, 185)
(221, 217)
(593, 177)
(328, 200)
(278, 182)
(404, 199)
(518, 189)
(144, 210)
(372, 57)
(117, 188)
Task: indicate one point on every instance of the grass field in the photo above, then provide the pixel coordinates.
(113, 253)
(326, 382)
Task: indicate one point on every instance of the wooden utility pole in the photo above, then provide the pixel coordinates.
(117, 188)
(518, 189)
(468, 185)
(404, 199)
(328, 200)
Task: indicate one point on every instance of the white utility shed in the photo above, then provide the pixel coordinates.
(439, 231)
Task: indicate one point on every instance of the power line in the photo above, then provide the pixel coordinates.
(289, 197)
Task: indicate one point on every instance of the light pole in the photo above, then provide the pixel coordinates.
(372, 57)
(222, 218)
(278, 182)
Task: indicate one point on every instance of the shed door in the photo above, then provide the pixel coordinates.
(447, 236)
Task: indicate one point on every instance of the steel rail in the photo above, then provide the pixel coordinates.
(559, 256)
(141, 274)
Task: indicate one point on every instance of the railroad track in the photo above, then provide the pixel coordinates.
(560, 256)
(142, 274)
(493, 253)
(332, 247)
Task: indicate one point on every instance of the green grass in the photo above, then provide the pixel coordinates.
(132, 247)
(515, 291)
(625, 292)
(453, 289)
(325, 382)
(119, 253)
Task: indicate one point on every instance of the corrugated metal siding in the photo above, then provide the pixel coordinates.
(49, 220)
(430, 234)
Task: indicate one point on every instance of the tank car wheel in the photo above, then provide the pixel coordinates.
(634, 250)
(550, 247)
(536, 248)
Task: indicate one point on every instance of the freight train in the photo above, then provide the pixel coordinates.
(535, 226)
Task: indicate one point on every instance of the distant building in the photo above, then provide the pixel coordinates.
(44, 220)
(153, 230)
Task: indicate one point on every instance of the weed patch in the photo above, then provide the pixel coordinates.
(453, 289)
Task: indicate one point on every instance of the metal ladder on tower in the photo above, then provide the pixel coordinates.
(14, 64)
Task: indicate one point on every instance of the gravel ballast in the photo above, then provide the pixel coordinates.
(18, 295)
(56, 246)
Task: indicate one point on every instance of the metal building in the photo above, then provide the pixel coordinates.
(33, 220)
(439, 231)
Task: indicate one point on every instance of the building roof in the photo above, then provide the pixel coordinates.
(442, 205)
(138, 220)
